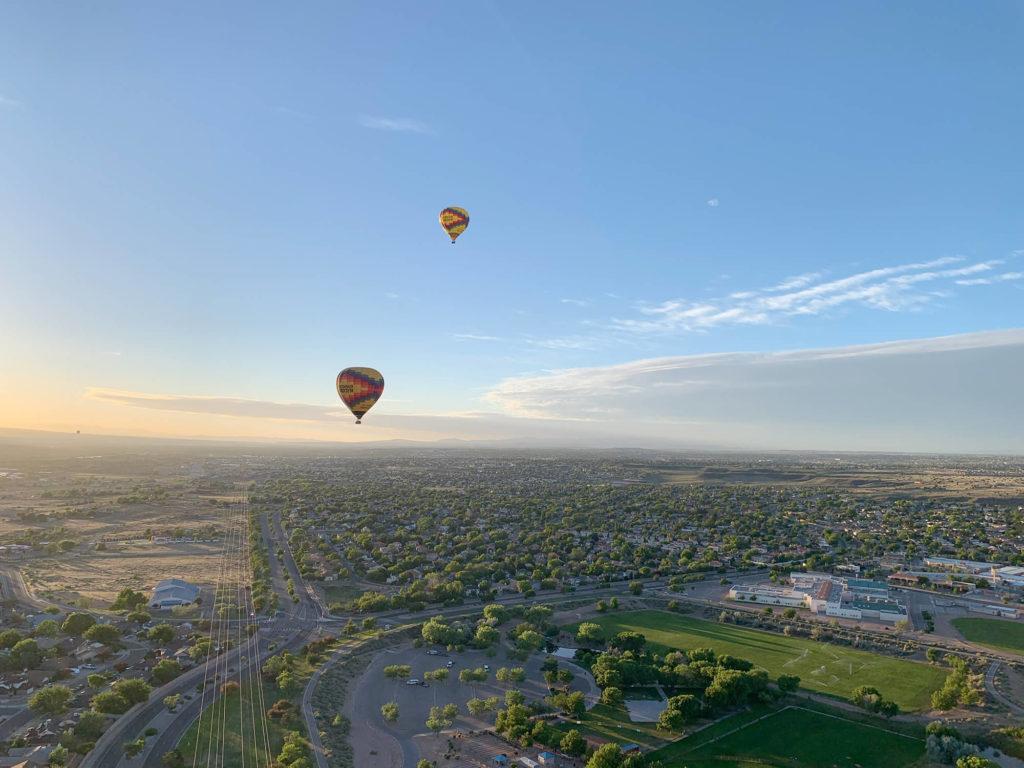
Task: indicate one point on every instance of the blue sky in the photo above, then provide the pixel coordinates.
(237, 201)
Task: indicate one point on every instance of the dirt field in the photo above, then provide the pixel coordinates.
(99, 576)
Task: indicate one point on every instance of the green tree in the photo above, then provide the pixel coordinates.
(529, 641)
(161, 634)
(48, 628)
(606, 756)
(59, 755)
(573, 743)
(287, 682)
(128, 599)
(110, 703)
(485, 636)
(165, 671)
(612, 696)
(134, 690)
(96, 680)
(975, 761)
(788, 683)
(26, 653)
(476, 707)
(77, 623)
(132, 748)
(10, 638)
(438, 720)
(107, 634)
(51, 700)
(91, 725)
(671, 720)
(172, 759)
(389, 711)
(588, 632)
(396, 671)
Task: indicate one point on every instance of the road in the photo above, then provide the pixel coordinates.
(995, 693)
(300, 584)
(13, 585)
(312, 729)
(286, 631)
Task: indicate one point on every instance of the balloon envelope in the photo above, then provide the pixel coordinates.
(454, 221)
(359, 389)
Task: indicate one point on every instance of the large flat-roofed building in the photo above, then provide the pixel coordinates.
(766, 594)
(867, 587)
(955, 564)
(825, 594)
(1008, 575)
(172, 592)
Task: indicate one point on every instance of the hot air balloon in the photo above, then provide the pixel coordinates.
(454, 221)
(359, 389)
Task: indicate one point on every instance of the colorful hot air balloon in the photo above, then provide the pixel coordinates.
(454, 221)
(359, 389)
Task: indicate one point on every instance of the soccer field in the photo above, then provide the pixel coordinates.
(795, 737)
(825, 668)
(1004, 635)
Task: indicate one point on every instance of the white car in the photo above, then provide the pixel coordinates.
(412, 681)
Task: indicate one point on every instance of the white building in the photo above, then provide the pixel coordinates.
(171, 592)
(1008, 575)
(954, 564)
(767, 595)
(822, 593)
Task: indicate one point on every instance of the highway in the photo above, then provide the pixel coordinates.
(286, 631)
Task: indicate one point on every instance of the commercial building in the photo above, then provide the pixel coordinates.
(172, 592)
(825, 594)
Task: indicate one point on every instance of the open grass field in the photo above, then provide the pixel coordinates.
(794, 737)
(226, 733)
(824, 668)
(1003, 635)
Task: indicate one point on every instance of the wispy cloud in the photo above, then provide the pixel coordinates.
(221, 406)
(397, 124)
(474, 337)
(6, 101)
(576, 302)
(565, 343)
(906, 395)
(896, 288)
(1005, 277)
(391, 295)
(714, 202)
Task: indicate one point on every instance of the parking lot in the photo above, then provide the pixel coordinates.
(414, 701)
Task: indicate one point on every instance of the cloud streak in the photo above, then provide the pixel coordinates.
(947, 394)
(956, 393)
(395, 124)
(894, 289)
(219, 406)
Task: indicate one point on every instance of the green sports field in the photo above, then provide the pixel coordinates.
(824, 668)
(794, 737)
(1004, 635)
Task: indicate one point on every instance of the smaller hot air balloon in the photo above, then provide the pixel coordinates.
(359, 389)
(454, 221)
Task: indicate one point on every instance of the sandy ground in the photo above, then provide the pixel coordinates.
(99, 576)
